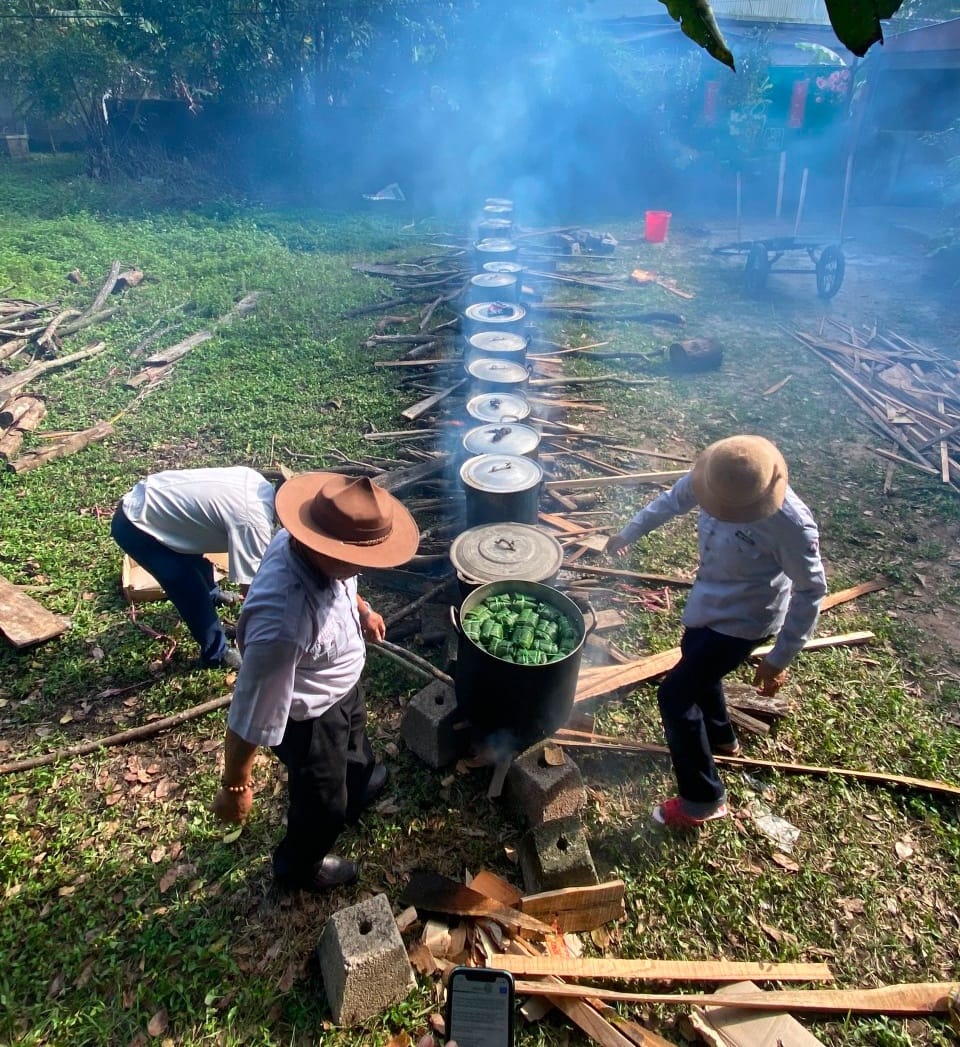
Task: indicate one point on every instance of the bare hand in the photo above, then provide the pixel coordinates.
(617, 546)
(232, 808)
(768, 679)
(374, 627)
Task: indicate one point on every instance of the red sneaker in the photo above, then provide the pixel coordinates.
(671, 814)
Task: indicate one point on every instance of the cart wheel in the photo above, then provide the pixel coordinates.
(830, 268)
(756, 270)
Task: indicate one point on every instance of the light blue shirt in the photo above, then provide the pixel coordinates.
(303, 649)
(754, 580)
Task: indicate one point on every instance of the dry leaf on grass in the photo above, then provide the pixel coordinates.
(157, 1025)
(784, 862)
(904, 849)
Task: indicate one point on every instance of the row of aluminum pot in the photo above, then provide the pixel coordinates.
(502, 552)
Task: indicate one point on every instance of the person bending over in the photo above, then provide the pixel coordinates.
(760, 574)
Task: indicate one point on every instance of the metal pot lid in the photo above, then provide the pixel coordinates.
(495, 312)
(497, 209)
(500, 473)
(505, 266)
(489, 369)
(497, 201)
(498, 407)
(496, 245)
(497, 342)
(506, 550)
(493, 281)
(502, 438)
(503, 226)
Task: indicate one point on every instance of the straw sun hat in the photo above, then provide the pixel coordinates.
(348, 519)
(740, 479)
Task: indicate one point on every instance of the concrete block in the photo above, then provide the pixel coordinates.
(429, 722)
(363, 961)
(538, 791)
(556, 855)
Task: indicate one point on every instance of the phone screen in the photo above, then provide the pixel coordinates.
(480, 1008)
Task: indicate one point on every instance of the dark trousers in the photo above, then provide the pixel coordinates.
(694, 712)
(329, 762)
(187, 579)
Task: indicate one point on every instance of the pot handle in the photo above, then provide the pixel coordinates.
(455, 620)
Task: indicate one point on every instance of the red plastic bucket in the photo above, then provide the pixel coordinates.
(657, 224)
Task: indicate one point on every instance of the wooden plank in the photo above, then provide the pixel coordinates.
(637, 576)
(422, 406)
(837, 640)
(629, 480)
(575, 909)
(608, 679)
(944, 452)
(664, 970)
(921, 999)
(139, 585)
(431, 892)
(24, 621)
(742, 1028)
(496, 887)
(579, 739)
(845, 595)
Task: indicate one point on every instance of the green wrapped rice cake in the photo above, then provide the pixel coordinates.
(519, 628)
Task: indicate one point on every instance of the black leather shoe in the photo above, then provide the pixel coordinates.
(332, 872)
(376, 785)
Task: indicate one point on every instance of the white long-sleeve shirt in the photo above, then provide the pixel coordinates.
(303, 648)
(754, 580)
(200, 511)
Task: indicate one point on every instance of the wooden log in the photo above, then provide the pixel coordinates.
(104, 293)
(694, 355)
(921, 999)
(62, 448)
(30, 412)
(128, 278)
(574, 909)
(846, 595)
(25, 622)
(146, 730)
(15, 409)
(175, 352)
(818, 643)
(663, 970)
(411, 660)
(11, 348)
(12, 383)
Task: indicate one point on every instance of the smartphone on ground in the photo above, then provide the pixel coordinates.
(480, 1007)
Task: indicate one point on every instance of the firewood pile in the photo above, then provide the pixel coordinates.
(910, 395)
(487, 922)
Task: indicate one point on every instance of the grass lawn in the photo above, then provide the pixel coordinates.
(129, 915)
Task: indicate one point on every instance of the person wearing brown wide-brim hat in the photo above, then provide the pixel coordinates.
(302, 633)
(760, 575)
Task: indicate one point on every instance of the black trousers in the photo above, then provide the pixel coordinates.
(694, 712)
(329, 762)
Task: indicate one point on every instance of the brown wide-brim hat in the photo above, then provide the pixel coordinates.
(740, 479)
(347, 518)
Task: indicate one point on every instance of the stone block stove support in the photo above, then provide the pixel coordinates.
(363, 961)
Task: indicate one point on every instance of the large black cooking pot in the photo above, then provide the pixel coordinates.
(513, 706)
(496, 345)
(501, 487)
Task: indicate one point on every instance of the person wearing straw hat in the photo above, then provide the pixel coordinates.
(760, 575)
(302, 633)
